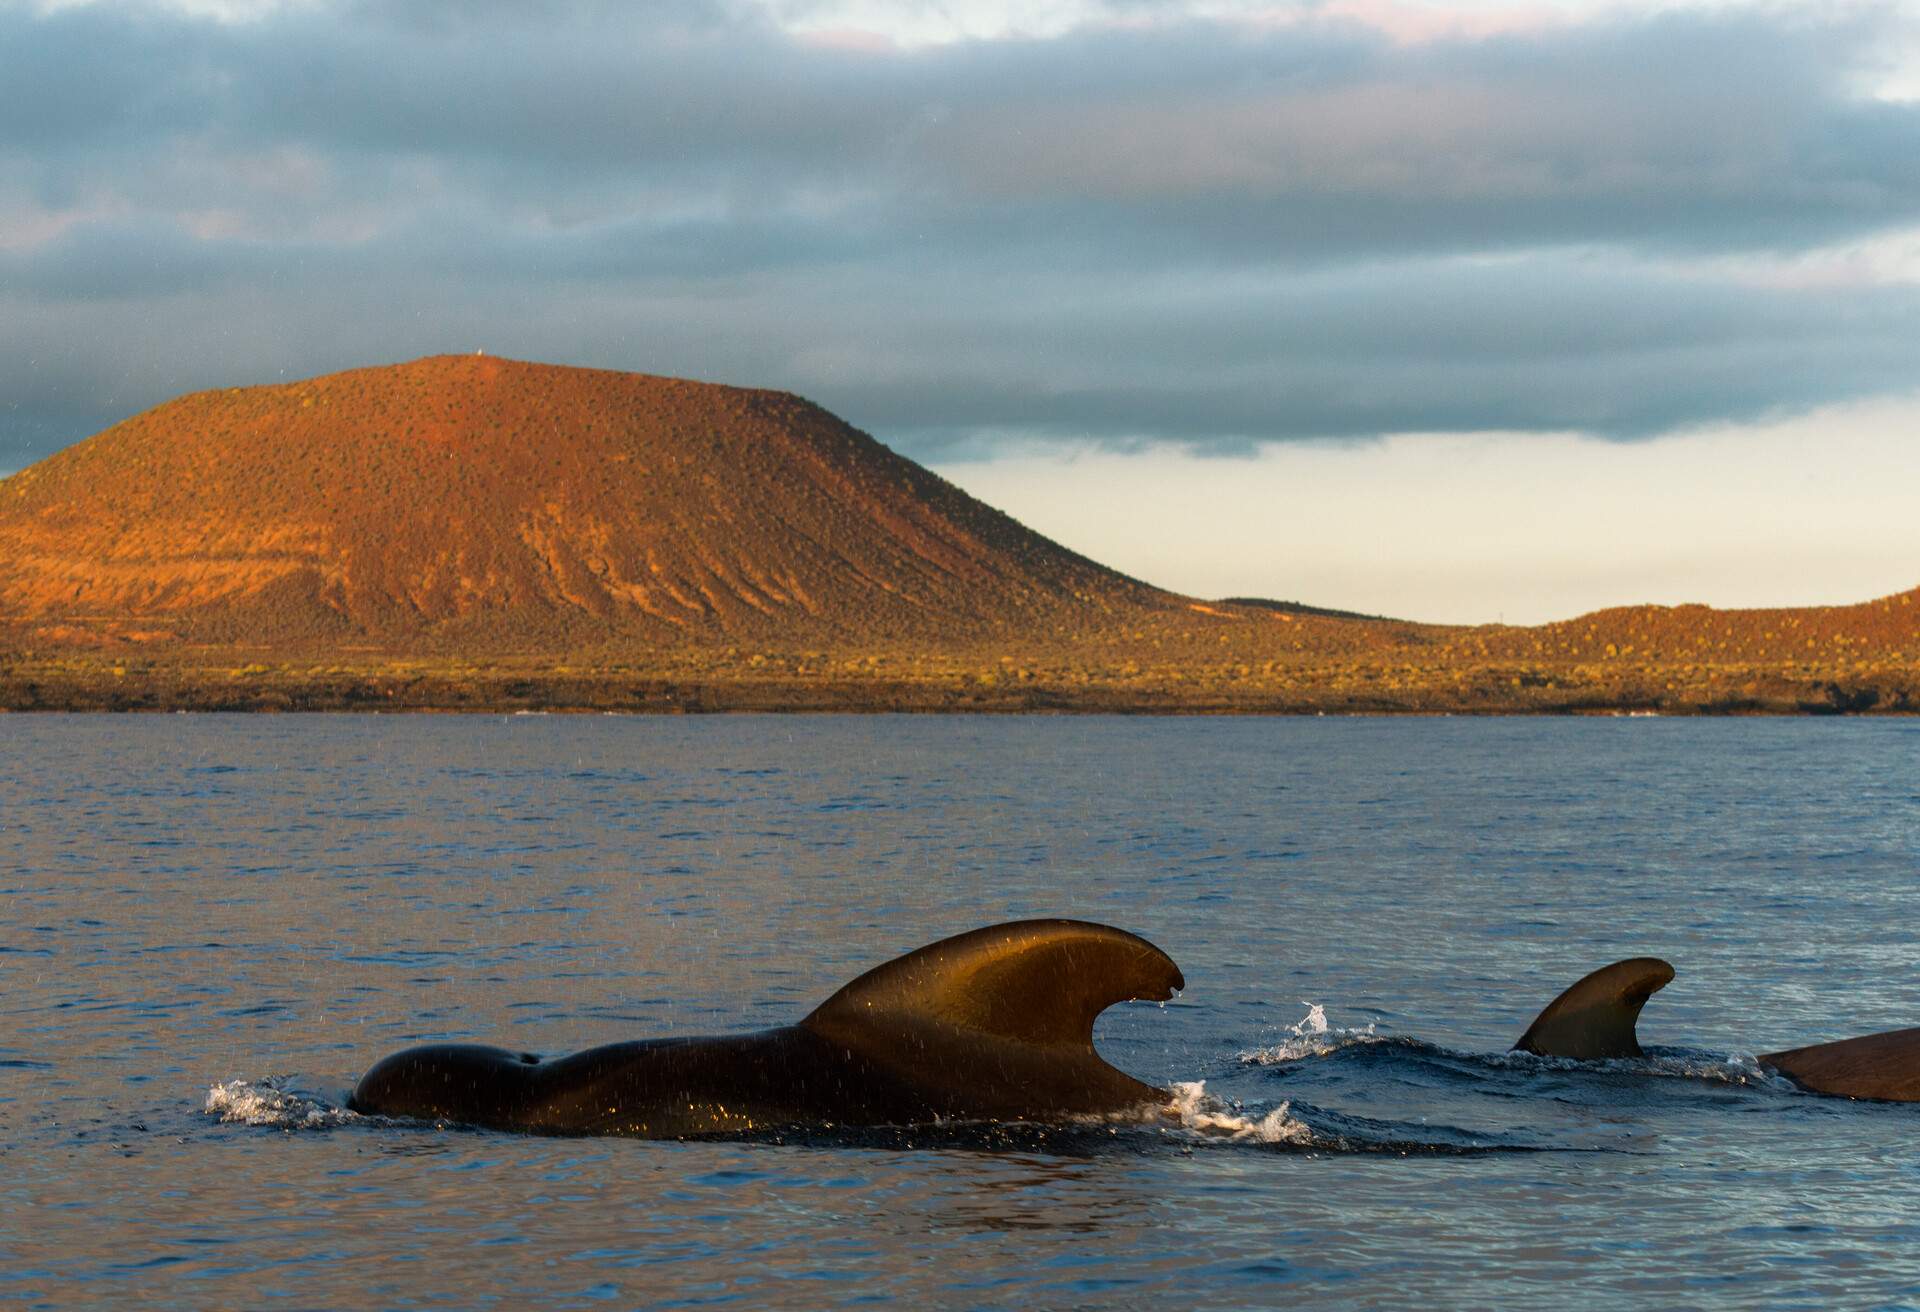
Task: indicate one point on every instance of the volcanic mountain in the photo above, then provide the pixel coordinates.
(483, 505)
(467, 531)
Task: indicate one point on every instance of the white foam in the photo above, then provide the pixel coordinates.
(1310, 1036)
(1202, 1113)
(245, 1102)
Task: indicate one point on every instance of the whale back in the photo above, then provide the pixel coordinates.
(996, 1024)
(999, 1021)
(1595, 1018)
(1884, 1066)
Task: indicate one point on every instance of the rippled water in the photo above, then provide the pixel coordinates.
(242, 914)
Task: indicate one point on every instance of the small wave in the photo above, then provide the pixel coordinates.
(1214, 1120)
(1202, 1113)
(1734, 1068)
(246, 1102)
(1672, 1063)
(1191, 1116)
(1311, 1036)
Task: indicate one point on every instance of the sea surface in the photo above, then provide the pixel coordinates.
(210, 926)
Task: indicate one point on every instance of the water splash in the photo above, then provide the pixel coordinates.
(1202, 1113)
(1310, 1036)
(245, 1102)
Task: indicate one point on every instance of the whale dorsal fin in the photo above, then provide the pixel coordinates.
(998, 1023)
(1594, 1018)
(1040, 982)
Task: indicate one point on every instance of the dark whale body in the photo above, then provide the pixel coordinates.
(1595, 1018)
(1879, 1066)
(996, 1024)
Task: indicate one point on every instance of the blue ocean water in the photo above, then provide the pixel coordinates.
(210, 926)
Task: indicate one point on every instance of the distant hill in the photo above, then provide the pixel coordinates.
(1297, 608)
(1889, 626)
(478, 503)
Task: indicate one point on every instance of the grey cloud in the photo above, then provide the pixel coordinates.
(134, 261)
(1680, 132)
(1190, 232)
(89, 76)
(945, 361)
(1319, 139)
(1554, 344)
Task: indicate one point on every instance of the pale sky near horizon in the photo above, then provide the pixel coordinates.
(1458, 311)
(1519, 528)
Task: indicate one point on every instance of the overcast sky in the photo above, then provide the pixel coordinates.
(1456, 311)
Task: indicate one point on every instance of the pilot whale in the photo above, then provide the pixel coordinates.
(991, 1025)
(1596, 1017)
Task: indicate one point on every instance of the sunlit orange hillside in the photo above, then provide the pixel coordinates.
(463, 500)
(1888, 628)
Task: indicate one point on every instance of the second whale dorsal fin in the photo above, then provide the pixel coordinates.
(1037, 982)
(1595, 1018)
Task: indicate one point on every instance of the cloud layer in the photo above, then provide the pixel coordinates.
(1154, 228)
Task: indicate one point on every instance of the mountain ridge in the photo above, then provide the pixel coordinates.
(473, 531)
